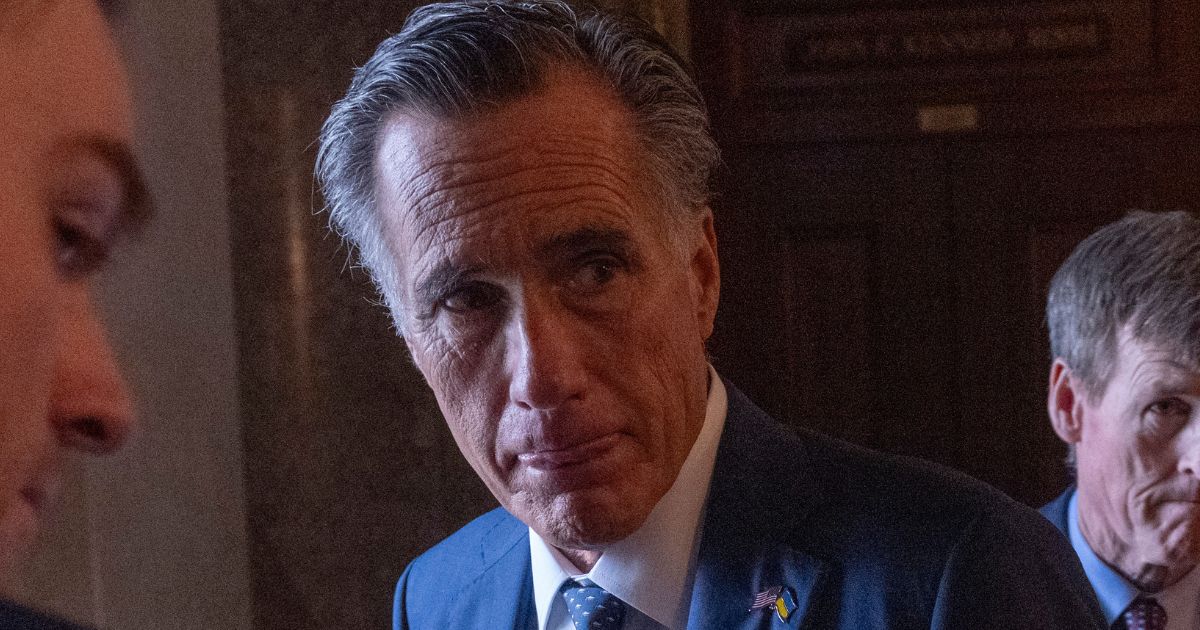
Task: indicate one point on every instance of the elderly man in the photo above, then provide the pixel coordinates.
(1124, 315)
(528, 186)
(68, 191)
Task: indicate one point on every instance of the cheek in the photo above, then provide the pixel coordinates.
(663, 346)
(28, 309)
(28, 349)
(466, 390)
(1151, 460)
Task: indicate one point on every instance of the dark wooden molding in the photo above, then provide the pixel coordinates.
(798, 71)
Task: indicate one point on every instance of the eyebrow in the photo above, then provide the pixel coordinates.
(585, 238)
(448, 274)
(138, 206)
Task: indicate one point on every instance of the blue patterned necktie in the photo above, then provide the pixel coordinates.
(591, 607)
(1143, 614)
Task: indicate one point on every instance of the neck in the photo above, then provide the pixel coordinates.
(583, 559)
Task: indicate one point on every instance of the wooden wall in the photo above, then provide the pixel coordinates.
(903, 178)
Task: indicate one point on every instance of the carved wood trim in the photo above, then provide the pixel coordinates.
(816, 70)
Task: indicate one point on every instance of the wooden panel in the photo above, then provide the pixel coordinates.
(893, 55)
(823, 70)
(826, 301)
(835, 310)
(1020, 208)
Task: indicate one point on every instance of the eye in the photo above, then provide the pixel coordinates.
(1170, 408)
(472, 297)
(81, 246)
(86, 200)
(594, 274)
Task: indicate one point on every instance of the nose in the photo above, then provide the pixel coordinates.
(90, 408)
(1189, 446)
(544, 354)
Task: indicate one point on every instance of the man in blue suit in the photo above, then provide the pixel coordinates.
(528, 185)
(1124, 316)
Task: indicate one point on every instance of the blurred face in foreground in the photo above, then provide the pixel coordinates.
(557, 309)
(67, 192)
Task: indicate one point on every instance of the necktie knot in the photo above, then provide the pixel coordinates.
(1143, 614)
(591, 607)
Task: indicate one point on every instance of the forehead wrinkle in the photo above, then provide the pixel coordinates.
(446, 242)
(1158, 372)
(472, 197)
(1166, 374)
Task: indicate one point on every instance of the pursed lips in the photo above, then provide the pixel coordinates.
(557, 458)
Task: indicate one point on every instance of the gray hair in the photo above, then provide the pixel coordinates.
(1141, 273)
(458, 58)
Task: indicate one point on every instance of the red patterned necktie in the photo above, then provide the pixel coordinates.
(1143, 614)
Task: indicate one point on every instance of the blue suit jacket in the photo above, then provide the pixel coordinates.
(864, 540)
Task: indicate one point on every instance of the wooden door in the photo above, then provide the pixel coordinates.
(903, 178)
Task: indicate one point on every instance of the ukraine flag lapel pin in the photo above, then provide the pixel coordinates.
(785, 604)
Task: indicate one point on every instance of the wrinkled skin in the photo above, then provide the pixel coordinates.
(1138, 452)
(557, 313)
(64, 189)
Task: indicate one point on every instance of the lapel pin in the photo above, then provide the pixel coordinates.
(780, 598)
(785, 604)
(766, 598)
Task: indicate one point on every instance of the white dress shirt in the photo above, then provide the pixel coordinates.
(651, 570)
(1181, 600)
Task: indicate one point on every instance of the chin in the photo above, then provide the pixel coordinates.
(583, 523)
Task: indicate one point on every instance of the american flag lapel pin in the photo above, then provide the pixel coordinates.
(780, 598)
(766, 598)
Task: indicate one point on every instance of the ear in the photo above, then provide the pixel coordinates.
(1064, 402)
(706, 275)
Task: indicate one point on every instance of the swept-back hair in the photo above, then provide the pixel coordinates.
(457, 58)
(1141, 273)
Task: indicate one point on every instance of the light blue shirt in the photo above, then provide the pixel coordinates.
(1181, 600)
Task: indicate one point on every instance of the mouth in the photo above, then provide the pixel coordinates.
(559, 458)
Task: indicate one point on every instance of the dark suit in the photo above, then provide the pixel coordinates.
(865, 540)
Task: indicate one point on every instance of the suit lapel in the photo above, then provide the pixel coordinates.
(491, 599)
(759, 495)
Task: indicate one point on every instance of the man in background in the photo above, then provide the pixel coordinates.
(69, 191)
(528, 185)
(1124, 316)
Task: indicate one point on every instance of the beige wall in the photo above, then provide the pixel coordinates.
(155, 536)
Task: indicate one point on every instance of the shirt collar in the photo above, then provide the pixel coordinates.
(1114, 592)
(651, 569)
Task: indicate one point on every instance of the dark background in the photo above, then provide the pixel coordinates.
(901, 180)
